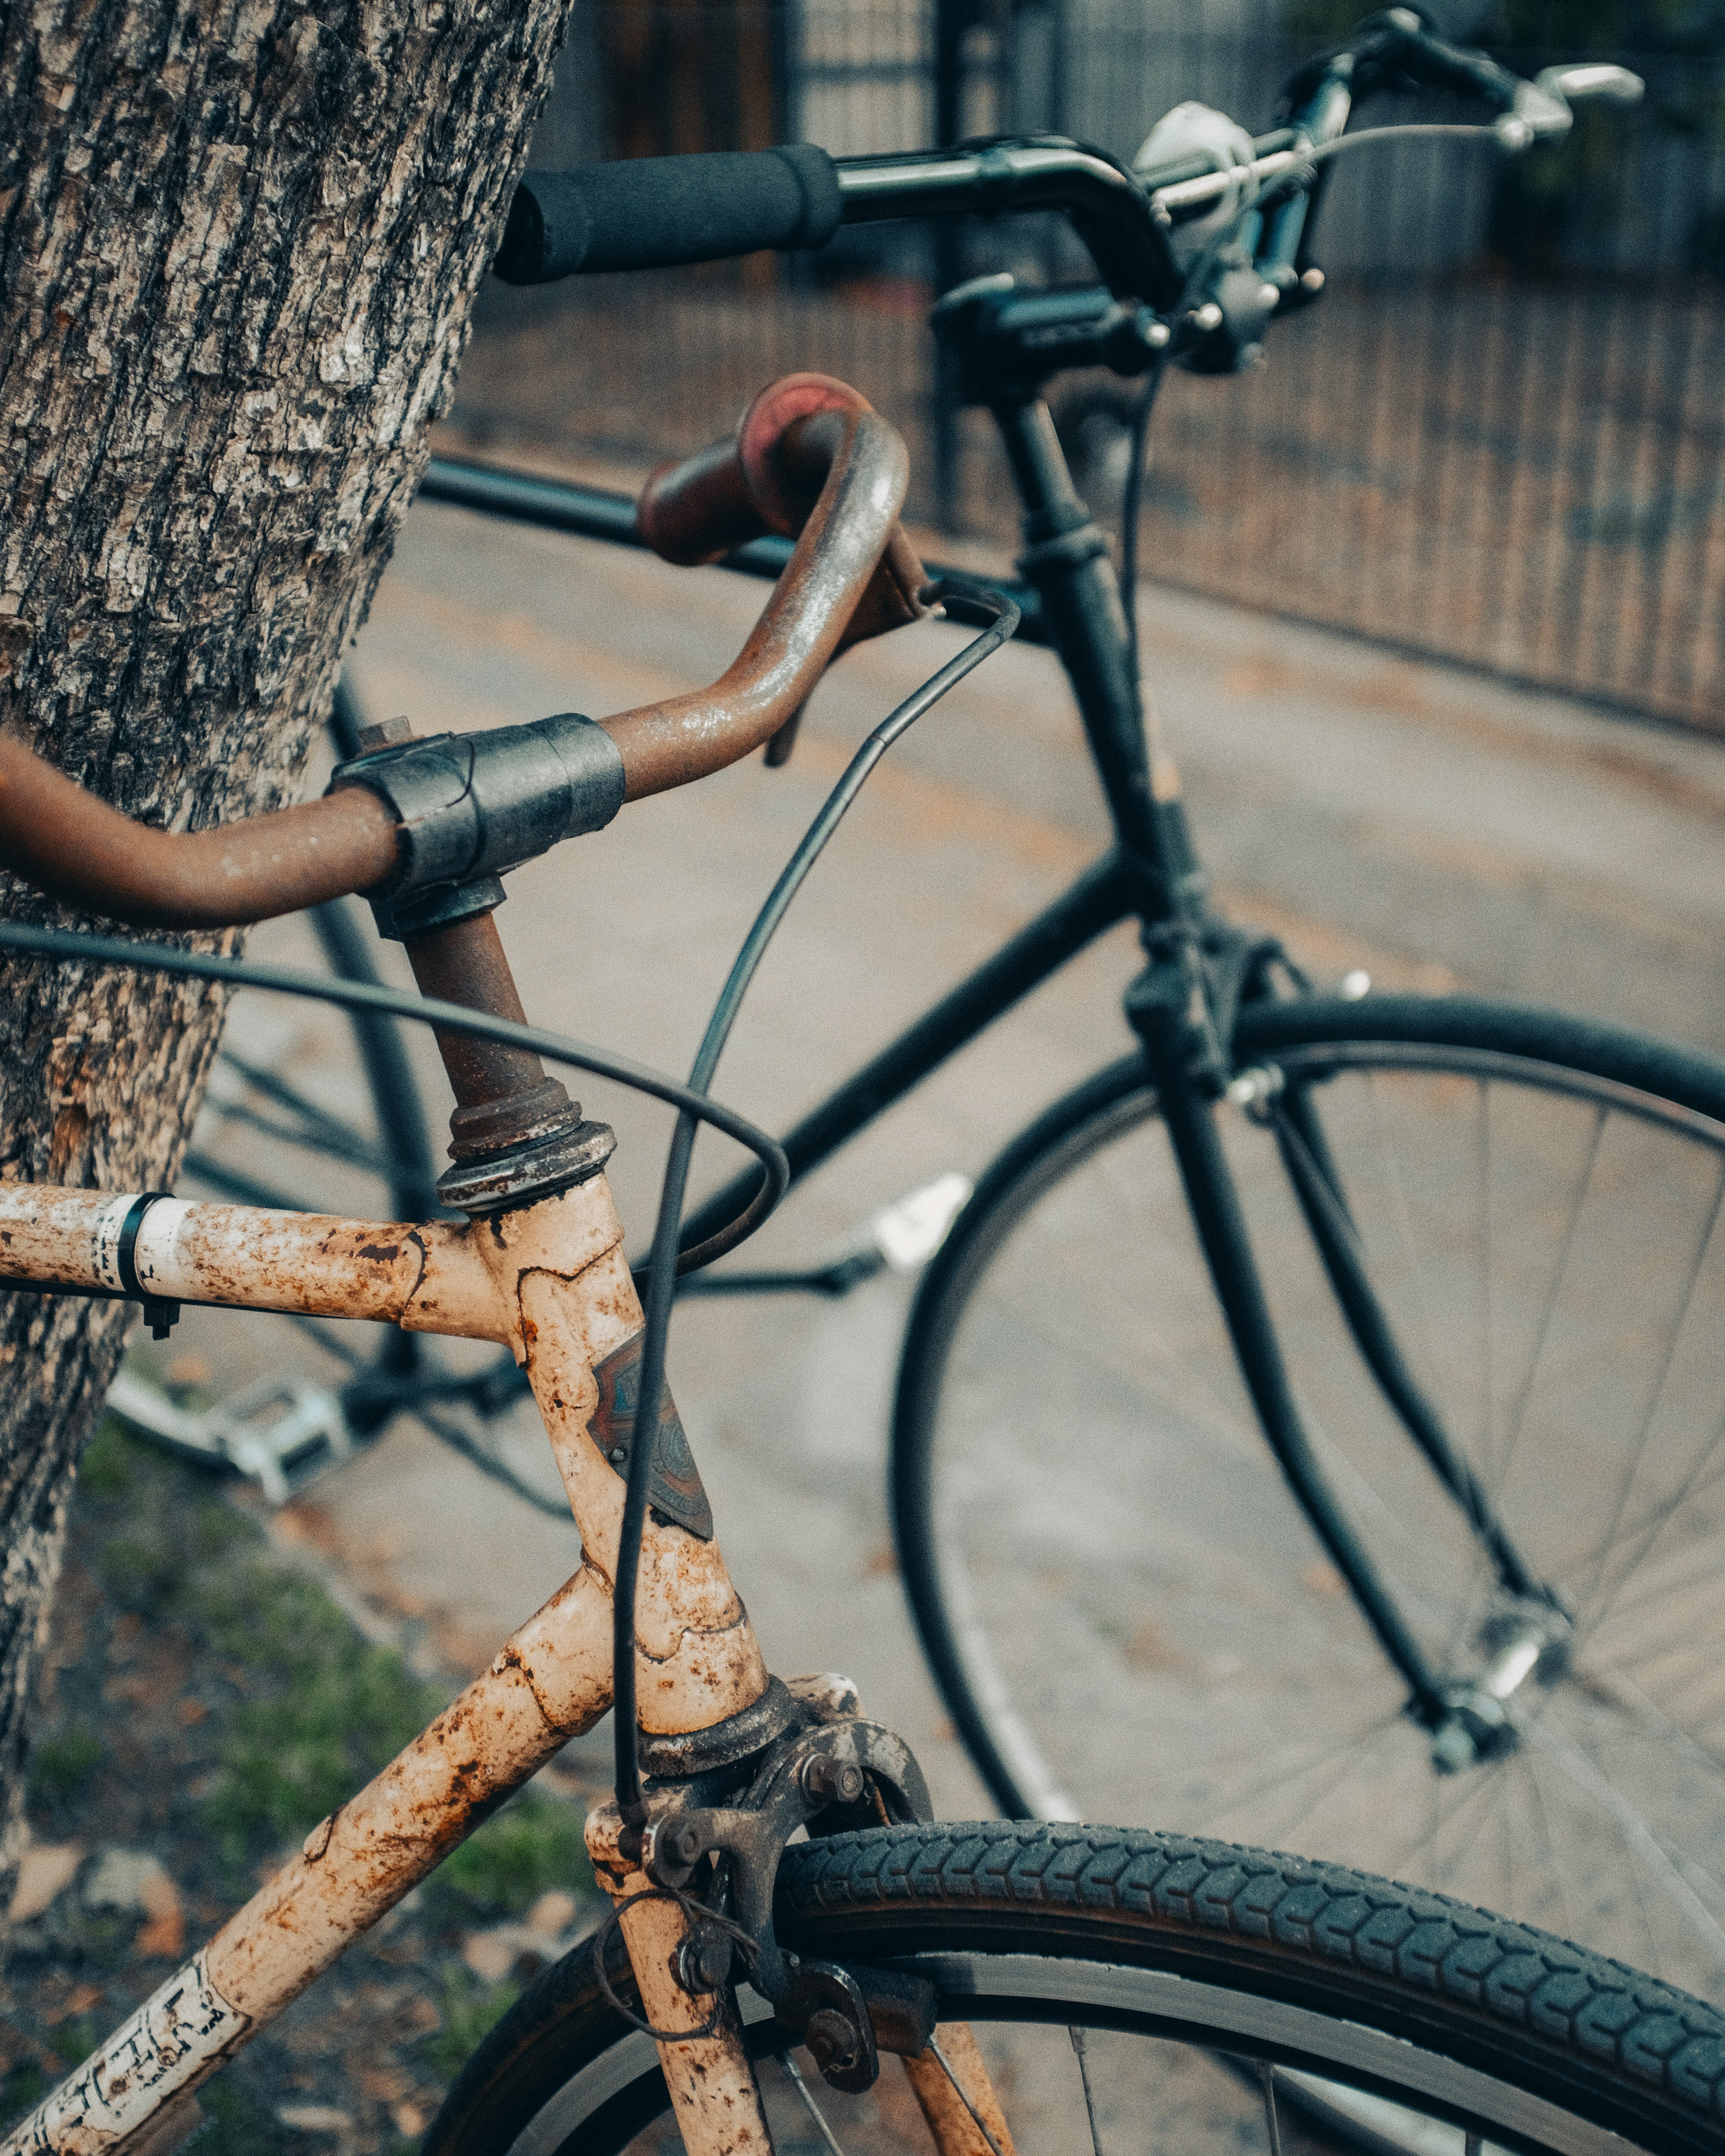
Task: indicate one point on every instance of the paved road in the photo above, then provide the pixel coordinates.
(1433, 827)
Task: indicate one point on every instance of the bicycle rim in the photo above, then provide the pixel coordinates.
(1208, 1985)
(1129, 1615)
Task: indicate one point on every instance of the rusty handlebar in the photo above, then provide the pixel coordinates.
(68, 844)
(811, 456)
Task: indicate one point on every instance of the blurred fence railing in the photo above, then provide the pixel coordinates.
(1497, 439)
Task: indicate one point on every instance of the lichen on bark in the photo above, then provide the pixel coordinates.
(239, 244)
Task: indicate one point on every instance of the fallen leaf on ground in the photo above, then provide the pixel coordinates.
(45, 1870)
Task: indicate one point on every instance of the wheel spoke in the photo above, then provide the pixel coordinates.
(1596, 1591)
(1272, 2123)
(963, 2094)
(319, 1126)
(1079, 2047)
(1559, 1274)
(1478, 1787)
(1348, 1760)
(1347, 1747)
(1366, 2049)
(794, 2075)
(1566, 1232)
(1708, 1470)
(1637, 1837)
(1556, 1870)
(245, 1189)
(336, 1143)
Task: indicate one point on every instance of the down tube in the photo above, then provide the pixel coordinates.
(550, 1281)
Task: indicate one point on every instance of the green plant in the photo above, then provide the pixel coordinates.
(240, 2124)
(105, 1471)
(22, 2089)
(534, 1844)
(468, 2009)
(142, 1571)
(336, 1710)
(61, 1764)
(73, 2041)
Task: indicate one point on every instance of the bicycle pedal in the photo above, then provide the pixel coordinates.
(908, 1232)
(279, 1433)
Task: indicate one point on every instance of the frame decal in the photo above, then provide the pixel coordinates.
(675, 1489)
(185, 2026)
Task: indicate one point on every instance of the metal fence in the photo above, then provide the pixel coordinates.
(1497, 439)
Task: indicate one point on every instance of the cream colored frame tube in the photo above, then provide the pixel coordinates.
(551, 1283)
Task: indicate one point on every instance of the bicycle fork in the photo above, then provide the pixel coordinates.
(1189, 1115)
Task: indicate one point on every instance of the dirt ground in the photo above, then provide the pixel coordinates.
(206, 1702)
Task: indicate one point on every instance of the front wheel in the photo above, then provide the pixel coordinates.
(1126, 1611)
(1131, 1990)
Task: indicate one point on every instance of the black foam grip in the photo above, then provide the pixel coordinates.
(654, 212)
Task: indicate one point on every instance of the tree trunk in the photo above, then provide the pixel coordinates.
(239, 244)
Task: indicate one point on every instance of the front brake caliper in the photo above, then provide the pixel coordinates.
(840, 1772)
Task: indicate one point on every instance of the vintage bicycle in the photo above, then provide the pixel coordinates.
(1127, 1962)
(1121, 1965)
(1458, 1260)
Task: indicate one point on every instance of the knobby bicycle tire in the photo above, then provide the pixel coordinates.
(1169, 1951)
(1117, 1593)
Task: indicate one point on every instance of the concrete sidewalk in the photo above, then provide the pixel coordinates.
(1436, 827)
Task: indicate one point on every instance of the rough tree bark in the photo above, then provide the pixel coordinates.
(240, 242)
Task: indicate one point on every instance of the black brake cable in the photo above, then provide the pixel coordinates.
(449, 1018)
(661, 1275)
(425, 1010)
(1296, 176)
(1131, 501)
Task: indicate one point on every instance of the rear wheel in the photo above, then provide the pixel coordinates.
(1127, 1613)
(1131, 1989)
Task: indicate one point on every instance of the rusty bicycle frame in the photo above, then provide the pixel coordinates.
(538, 1268)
